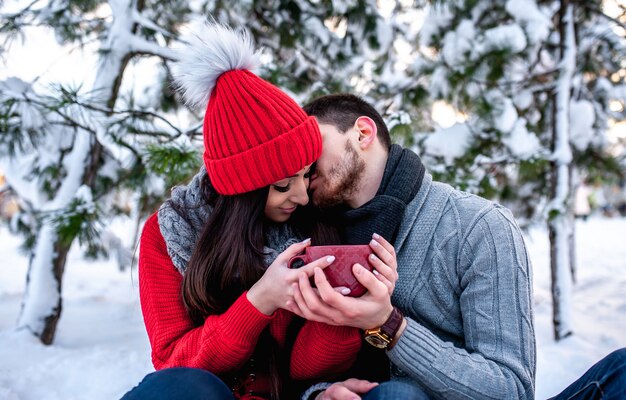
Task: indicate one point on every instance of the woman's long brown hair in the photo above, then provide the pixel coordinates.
(228, 258)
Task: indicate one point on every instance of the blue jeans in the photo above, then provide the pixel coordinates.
(393, 390)
(180, 384)
(606, 380)
(198, 384)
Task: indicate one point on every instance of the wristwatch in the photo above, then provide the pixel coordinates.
(383, 336)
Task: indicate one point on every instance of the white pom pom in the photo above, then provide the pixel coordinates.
(208, 53)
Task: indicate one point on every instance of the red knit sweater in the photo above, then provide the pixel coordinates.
(225, 342)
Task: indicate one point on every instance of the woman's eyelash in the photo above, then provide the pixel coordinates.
(282, 189)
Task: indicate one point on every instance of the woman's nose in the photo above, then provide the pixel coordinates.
(300, 195)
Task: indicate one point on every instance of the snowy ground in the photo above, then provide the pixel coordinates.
(101, 349)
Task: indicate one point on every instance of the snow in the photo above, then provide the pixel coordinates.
(581, 119)
(598, 304)
(42, 292)
(521, 143)
(449, 143)
(458, 44)
(319, 30)
(504, 37)
(505, 115)
(536, 24)
(437, 18)
(101, 348)
(439, 84)
(14, 169)
(523, 99)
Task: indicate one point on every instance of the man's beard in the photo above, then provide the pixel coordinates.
(344, 178)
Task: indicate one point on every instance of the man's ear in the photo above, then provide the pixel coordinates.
(366, 127)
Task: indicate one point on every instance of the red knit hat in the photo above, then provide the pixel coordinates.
(254, 134)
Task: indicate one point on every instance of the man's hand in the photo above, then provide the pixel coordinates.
(368, 311)
(346, 390)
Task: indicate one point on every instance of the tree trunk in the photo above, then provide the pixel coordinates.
(560, 207)
(575, 181)
(572, 248)
(42, 304)
(58, 267)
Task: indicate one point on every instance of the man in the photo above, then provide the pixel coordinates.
(459, 323)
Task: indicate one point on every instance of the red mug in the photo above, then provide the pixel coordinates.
(339, 273)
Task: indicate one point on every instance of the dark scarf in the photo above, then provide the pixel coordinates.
(383, 214)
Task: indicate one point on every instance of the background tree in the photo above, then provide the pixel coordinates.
(536, 81)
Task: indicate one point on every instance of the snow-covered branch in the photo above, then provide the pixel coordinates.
(146, 22)
(140, 45)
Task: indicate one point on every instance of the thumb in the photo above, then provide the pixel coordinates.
(359, 386)
(294, 250)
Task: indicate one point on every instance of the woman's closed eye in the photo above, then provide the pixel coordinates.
(282, 189)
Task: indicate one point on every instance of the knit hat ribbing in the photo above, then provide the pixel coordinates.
(254, 134)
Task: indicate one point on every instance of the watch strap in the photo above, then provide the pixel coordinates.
(393, 323)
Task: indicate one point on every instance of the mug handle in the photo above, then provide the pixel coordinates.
(297, 261)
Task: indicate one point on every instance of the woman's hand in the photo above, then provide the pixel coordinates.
(384, 262)
(349, 390)
(274, 290)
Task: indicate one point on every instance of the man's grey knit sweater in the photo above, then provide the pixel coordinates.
(465, 288)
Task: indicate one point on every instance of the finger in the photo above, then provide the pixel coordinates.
(359, 386)
(300, 304)
(341, 290)
(294, 249)
(383, 279)
(319, 263)
(313, 299)
(291, 306)
(340, 392)
(326, 292)
(305, 294)
(383, 268)
(382, 253)
(388, 246)
(369, 280)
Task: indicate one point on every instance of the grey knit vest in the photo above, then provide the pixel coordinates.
(182, 217)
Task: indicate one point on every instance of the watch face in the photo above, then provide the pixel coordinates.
(376, 341)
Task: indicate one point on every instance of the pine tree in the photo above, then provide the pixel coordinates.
(537, 101)
(67, 148)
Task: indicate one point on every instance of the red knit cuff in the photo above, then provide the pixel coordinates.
(243, 322)
(341, 334)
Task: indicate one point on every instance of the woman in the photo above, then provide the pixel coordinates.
(212, 267)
